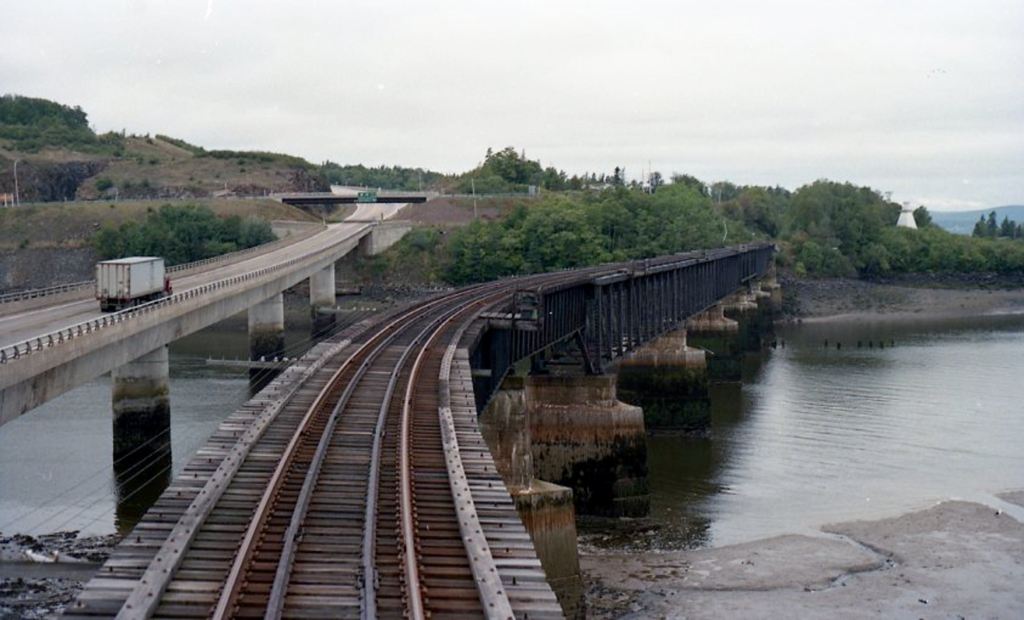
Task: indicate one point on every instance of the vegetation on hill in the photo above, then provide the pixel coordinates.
(561, 231)
(383, 177)
(30, 124)
(989, 229)
(838, 229)
(181, 234)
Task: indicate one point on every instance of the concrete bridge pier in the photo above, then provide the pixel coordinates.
(546, 509)
(266, 328)
(742, 307)
(586, 439)
(142, 405)
(142, 434)
(669, 380)
(720, 336)
(322, 294)
(770, 285)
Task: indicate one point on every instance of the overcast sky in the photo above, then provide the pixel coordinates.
(921, 98)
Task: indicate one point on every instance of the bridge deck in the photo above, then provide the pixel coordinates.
(195, 590)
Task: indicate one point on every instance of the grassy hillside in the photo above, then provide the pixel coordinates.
(61, 158)
(73, 225)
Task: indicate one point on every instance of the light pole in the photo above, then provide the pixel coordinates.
(17, 199)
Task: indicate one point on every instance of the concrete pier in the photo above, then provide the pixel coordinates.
(669, 380)
(587, 440)
(266, 328)
(547, 509)
(743, 308)
(505, 426)
(322, 294)
(548, 514)
(713, 331)
(142, 405)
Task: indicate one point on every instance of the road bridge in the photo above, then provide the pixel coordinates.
(358, 483)
(47, 350)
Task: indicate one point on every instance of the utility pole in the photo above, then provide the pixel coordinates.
(472, 185)
(17, 198)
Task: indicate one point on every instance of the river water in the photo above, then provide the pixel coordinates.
(819, 434)
(815, 435)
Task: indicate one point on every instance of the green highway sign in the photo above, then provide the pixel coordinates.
(366, 197)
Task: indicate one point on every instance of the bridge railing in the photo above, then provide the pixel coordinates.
(20, 350)
(48, 291)
(59, 289)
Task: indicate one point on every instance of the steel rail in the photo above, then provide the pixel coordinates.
(145, 597)
(412, 578)
(275, 604)
(233, 584)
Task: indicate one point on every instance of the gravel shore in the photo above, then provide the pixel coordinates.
(40, 576)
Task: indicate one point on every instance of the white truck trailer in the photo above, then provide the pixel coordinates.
(125, 282)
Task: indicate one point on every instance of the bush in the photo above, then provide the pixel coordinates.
(181, 234)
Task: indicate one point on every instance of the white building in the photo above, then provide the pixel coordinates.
(907, 218)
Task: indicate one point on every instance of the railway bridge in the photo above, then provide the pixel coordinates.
(359, 484)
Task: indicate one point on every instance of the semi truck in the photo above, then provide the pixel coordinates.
(125, 282)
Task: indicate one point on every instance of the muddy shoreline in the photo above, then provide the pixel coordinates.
(954, 560)
(862, 300)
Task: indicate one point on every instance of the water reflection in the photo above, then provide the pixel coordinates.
(819, 435)
(139, 479)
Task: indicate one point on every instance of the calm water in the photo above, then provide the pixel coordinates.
(818, 435)
(814, 436)
(55, 462)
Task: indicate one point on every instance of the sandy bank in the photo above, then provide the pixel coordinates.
(954, 560)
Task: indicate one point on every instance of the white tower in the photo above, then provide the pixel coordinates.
(907, 217)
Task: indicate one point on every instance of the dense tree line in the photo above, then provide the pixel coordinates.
(182, 234)
(30, 124)
(987, 228)
(561, 231)
(383, 177)
(837, 229)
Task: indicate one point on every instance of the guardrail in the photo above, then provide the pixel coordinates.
(91, 284)
(45, 341)
(45, 292)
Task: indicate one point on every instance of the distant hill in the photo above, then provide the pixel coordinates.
(60, 158)
(962, 222)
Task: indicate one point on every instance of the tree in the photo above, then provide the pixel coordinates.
(690, 181)
(980, 229)
(922, 217)
(1007, 228)
(991, 228)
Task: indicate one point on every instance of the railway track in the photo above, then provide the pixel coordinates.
(365, 491)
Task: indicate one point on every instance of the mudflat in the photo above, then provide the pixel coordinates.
(957, 559)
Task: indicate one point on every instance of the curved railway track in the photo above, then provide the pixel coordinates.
(356, 486)
(349, 497)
